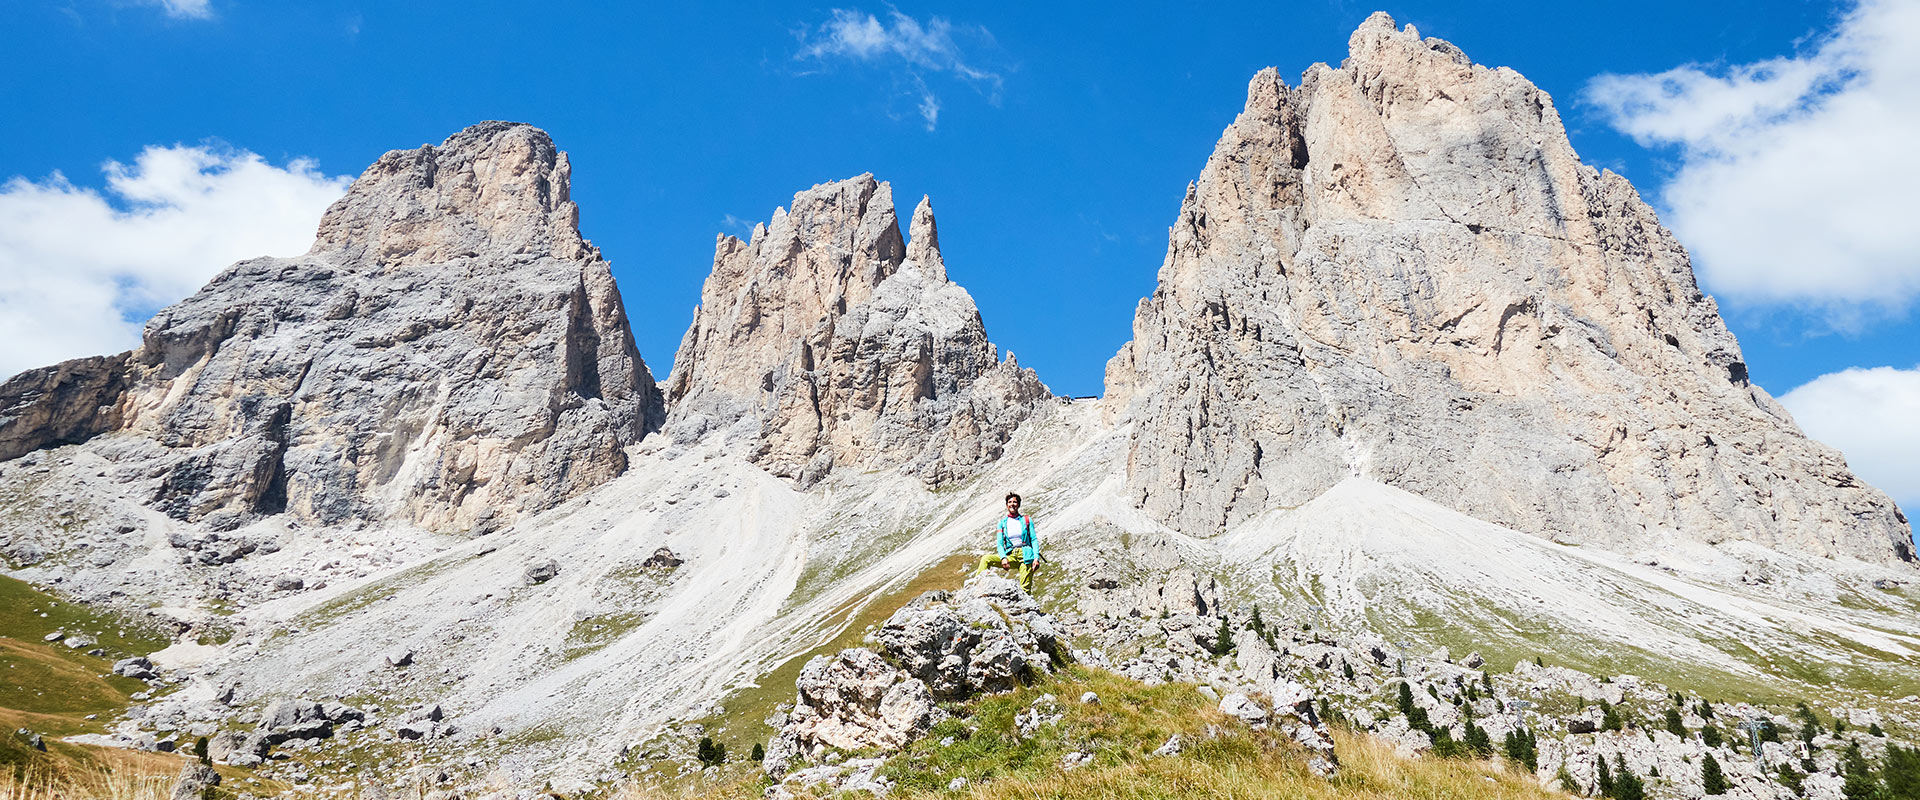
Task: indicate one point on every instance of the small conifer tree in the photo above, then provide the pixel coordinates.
(1523, 748)
(1609, 717)
(1478, 742)
(1603, 777)
(1223, 639)
(1416, 716)
(1567, 783)
(1674, 724)
(1902, 773)
(1628, 786)
(1710, 736)
(759, 753)
(1712, 780)
(1792, 779)
(1860, 781)
(1873, 729)
(200, 751)
(1346, 669)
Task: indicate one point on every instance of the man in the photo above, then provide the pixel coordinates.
(1016, 538)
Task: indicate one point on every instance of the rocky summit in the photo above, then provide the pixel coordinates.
(829, 340)
(1400, 270)
(451, 353)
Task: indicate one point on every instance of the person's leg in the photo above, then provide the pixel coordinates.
(1026, 576)
(986, 561)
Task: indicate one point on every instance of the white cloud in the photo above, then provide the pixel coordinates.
(923, 48)
(1798, 180)
(80, 269)
(185, 9)
(1872, 416)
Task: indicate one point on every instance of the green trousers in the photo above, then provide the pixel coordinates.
(1026, 569)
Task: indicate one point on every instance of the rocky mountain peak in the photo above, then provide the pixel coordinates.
(1401, 271)
(828, 339)
(450, 354)
(496, 186)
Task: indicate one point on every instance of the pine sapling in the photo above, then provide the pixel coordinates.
(1712, 780)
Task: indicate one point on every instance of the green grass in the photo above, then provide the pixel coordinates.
(50, 689)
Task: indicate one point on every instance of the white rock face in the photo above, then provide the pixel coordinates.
(451, 353)
(828, 340)
(1401, 271)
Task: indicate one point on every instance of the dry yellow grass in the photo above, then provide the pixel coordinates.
(71, 783)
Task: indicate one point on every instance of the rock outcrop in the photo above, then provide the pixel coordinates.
(987, 637)
(450, 353)
(828, 340)
(1401, 270)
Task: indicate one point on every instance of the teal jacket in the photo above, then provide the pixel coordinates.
(1028, 540)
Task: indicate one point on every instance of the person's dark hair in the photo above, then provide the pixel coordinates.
(1012, 496)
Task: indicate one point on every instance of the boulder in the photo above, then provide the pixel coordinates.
(541, 571)
(194, 781)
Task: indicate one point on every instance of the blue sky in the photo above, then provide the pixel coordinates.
(1063, 138)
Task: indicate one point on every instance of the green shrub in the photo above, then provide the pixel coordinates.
(711, 753)
(1603, 777)
(759, 753)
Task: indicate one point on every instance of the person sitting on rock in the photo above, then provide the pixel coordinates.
(1016, 537)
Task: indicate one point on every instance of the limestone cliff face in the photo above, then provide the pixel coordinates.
(1401, 270)
(828, 340)
(450, 353)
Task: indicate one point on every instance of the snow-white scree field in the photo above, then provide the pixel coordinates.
(558, 680)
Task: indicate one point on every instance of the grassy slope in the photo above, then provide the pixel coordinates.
(1223, 760)
(50, 689)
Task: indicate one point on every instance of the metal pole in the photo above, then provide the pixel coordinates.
(1753, 726)
(1519, 707)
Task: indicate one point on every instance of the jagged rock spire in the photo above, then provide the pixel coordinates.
(1401, 270)
(923, 241)
(451, 353)
(828, 340)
